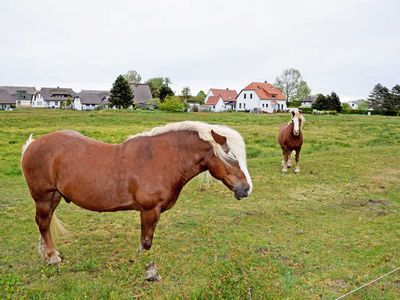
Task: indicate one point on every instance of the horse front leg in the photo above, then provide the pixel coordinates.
(297, 168)
(149, 219)
(285, 155)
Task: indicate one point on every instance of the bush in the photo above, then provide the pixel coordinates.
(306, 110)
(294, 103)
(172, 104)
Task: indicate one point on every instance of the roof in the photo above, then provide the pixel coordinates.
(141, 93)
(6, 97)
(212, 100)
(93, 96)
(13, 89)
(56, 94)
(265, 91)
(225, 94)
(311, 98)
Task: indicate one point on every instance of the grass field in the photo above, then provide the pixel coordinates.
(315, 235)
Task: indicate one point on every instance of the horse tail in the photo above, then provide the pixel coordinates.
(26, 145)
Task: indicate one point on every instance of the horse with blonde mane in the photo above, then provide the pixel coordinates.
(290, 139)
(145, 173)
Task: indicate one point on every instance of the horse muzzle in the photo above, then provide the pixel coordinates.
(242, 191)
(296, 133)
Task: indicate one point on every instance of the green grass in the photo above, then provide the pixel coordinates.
(318, 234)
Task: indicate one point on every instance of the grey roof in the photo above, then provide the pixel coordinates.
(141, 93)
(311, 98)
(93, 96)
(56, 94)
(30, 90)
(6, 97)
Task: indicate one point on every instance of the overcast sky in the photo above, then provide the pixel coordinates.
(346, 46)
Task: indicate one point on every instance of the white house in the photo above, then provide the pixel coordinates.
(22, 95)
(52, 97)
(261, 96)
(308, 102)
(90, 99)
(218, 100)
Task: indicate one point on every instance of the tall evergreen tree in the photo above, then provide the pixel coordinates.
(121, 93)
(320, 103)
(334, 102)
(165, 91)
(379, 98)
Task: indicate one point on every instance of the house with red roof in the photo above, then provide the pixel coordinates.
(218, 100)
(261, 96)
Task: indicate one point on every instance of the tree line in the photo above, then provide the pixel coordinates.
(163, 96)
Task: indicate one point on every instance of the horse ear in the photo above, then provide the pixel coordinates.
(218, 138)
(293, 113)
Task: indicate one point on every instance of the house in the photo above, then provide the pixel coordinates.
(7, 101)
(52, 97)
(309, 101)
(141, 94)
(261, 96)
(90, 99)
(22, 95)
(218, 100)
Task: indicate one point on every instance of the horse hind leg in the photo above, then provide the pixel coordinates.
(46, 203)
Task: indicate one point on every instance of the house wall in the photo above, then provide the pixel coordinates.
(247, 101)
(37, 101)
(77, 105)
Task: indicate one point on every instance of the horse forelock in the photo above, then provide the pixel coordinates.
(235, 142)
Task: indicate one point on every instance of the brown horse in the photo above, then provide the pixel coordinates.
(290, 139)
(146, 172)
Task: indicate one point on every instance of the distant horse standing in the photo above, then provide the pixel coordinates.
(146, 172)
(290, 139)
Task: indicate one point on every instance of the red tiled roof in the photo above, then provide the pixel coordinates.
(266, 90)
(225, 94)
(212, 100)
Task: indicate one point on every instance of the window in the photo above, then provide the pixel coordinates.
(266, 105)
(244, 105)
(251, 96)
(244, 96)
(240, 105)
(273, 96)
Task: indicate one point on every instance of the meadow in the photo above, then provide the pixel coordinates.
(318, 234)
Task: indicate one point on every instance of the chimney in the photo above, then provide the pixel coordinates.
(227, 89)
(265, 81)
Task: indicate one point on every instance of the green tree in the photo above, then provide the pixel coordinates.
(156, 84)
(334, 102)
(172, 104)
(328, 102)
(165, 91)
(379, 97)
(345, 107)
(303, 91)
(320, 103)
(186, 94)
(200, 97)
(291, 83)
(121, 93)
(133, 77)
(395, 94)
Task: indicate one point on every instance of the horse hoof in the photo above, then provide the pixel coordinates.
(284, 170)
(151, 273)
(296, 171)
(53, 260)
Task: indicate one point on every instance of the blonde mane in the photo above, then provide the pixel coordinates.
(237, 148)
(301, 117)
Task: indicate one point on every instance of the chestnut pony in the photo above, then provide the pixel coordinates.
(290, 139)
(146, 172)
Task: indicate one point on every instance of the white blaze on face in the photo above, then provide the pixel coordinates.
(296, 124)
(246, 173)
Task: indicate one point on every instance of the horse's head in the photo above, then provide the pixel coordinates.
(230, 167)
(297, 120)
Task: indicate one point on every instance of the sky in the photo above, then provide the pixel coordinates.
(346, 46)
